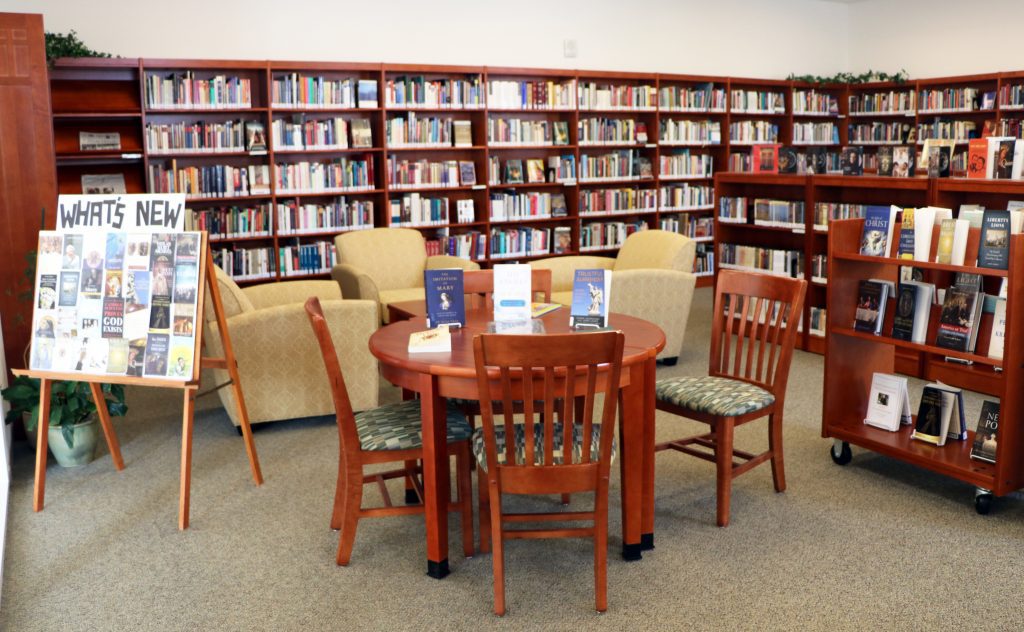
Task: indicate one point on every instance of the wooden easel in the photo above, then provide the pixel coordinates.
(189, 388)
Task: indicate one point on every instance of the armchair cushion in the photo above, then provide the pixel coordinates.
(287, 292)
(713, 395)
(662, 297)
(393, 257)
(564, 268)
(660, 249)
(399, 427)
(519, 433)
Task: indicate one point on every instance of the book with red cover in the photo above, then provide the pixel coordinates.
(765, 158)
(977, 158)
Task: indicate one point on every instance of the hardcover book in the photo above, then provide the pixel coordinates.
(255, 136)
(977, 158)
(984, 447)
(958, 319)
(366, 92)
(513, 172)
(445, 298)
(903, 318)
(560, 131)
(765, 158)
(888, 402)
(885, 163)
(994, 244)
(562, 240)
(852, 161)
(944, 250)
(1003, 160)
(512, 292)
(787, 160)
(870, 312)
(817, 160)
(905, 249)
(997, 341)
(558, 207)
(462, 133)
(876, 236)
(591, 291)
(360, 130)
(535, 170)
(928, 426)
(467, 172)
(903, 161)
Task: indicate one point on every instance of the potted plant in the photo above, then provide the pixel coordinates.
(74, 425)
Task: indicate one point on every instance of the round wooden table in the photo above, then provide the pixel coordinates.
(438, 376)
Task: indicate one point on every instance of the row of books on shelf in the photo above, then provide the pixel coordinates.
(694, 227)
(767, 212)
(610, 201)
(962, 305)
(515, 131)
(914, 240)
(419, 91)
(314, 258)
(776, 158)
(297, 90)
(607, 235)
(511, 205)
(470, 245)
(183, 90)
(292, 219)
(689, 132)
(414, 130)
(997, 157)
(940, 414)
(537, 171)
(530, 94)
(776, 261)
(321, 133)
(209, 181)
(414, 209)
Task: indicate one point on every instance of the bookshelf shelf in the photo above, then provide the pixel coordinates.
(923, 348)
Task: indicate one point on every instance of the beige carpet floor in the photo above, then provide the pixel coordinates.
(875, 545)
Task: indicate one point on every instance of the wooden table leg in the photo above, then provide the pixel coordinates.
(42, 427)
(436, 487)
(631, 463)
(647, 502)
(108, 428)
(186, 458)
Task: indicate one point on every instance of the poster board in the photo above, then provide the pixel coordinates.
(117, 289)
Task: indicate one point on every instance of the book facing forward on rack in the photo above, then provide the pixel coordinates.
(913, 311)
(994, 246)
(984, 447)
(870, 312)
(888, 403)
(446, 303)
(997, 341)
(591, 292)
(513, 292)
(904, 161)
(852, 161)
(959, 319)
(876, 237)
(940, 415)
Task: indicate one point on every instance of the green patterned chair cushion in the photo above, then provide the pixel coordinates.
(398, 427)
(713, 395)
(480, 451)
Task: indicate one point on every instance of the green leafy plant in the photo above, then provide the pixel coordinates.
(70, 403)
(68, 45)
(850, 78)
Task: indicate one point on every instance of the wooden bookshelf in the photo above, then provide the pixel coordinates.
(852, 357)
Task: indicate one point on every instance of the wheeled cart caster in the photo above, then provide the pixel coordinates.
(982, 500)
(840, 452)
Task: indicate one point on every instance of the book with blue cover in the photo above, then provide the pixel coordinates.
(994, 247)
(591, 291)
(876, 238)
(446, 303)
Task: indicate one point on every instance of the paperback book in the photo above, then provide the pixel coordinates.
(870, 312)
(885, 163)
(446, 304)
(876, 236)
(985, 436)
(888, 402)
(958, 320)
(994, 244)
(852, 161)
(591, 291)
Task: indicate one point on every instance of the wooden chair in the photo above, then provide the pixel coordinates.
(538, 370)
(386, 434)
(758, 314)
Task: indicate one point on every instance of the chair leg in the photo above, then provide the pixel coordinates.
(410, 493)
(353, 503)
(601, 548)
(723, 462)
(465, 496)
(498, 558)
(775, 445)
(484, 505)
(338, 512)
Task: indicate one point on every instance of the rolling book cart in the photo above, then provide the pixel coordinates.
(853, 356)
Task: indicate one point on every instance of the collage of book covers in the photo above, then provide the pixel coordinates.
(120, 303)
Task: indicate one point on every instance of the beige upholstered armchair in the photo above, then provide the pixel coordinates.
(386, 265)
(652, 278)
(278, 355)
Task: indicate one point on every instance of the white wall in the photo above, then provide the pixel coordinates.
(751, 38)
(936, 38)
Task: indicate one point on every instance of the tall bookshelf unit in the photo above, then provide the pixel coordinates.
(853, 357)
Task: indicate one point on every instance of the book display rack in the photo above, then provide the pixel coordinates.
(853, 356)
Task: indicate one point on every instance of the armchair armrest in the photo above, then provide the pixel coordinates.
(354, 283)
(563, 268)
(280, 364)
(662, 297)
(437, 262)
(286, 292)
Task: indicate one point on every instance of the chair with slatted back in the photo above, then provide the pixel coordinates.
(570, 455)
(390, 433)
(754, 328)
